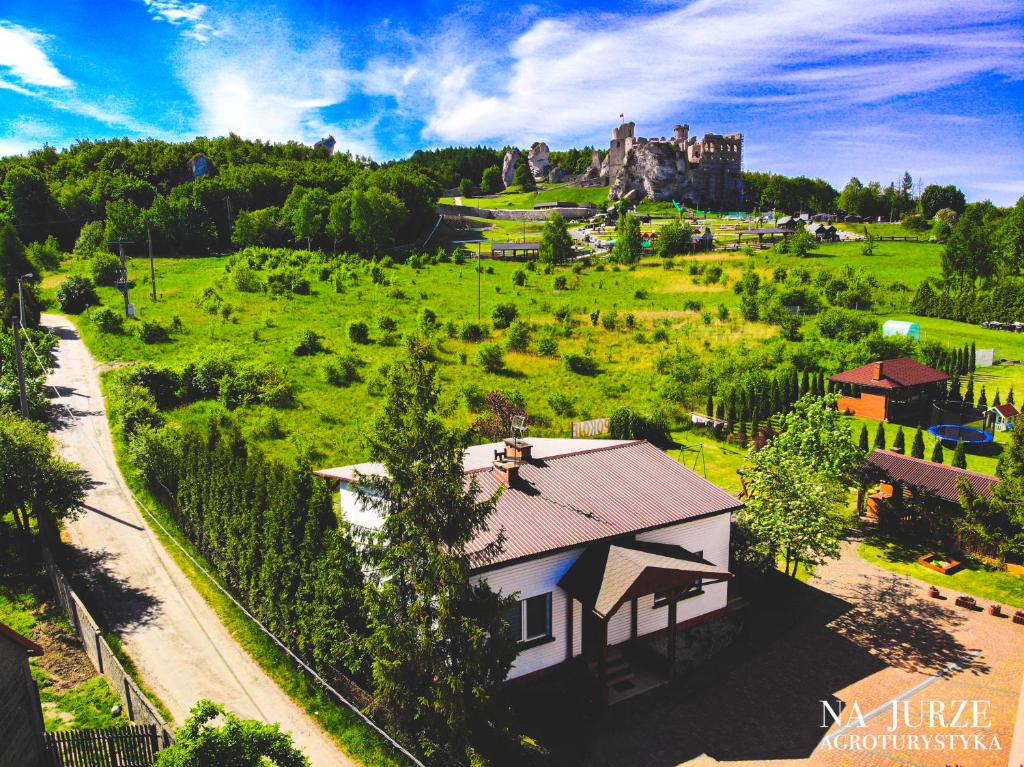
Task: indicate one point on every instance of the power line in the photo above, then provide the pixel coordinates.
(302, 664)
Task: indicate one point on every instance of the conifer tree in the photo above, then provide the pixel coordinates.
(954, 388)
(996, 402)
(709, 409)
(862, 441)
(960, 456)
(805, 382)
(879, 443)
(899, 442)
(917, 448)
(969, 394)
(972, 360)
(1009, 395)
(440, 642)
(937, 456)
(983, 399)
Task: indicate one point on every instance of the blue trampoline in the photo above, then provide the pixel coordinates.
(949, 432)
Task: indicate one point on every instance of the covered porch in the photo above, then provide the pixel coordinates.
(610, 576)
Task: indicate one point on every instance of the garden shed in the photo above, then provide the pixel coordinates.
(901, 328)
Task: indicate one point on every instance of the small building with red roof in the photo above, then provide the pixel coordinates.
(1002, 417)
(889, 389)
(605, 542)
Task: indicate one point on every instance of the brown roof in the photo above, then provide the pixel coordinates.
(563, 501)
(30, 647)
(607, 574)
(891, 374)
(933, 478)
(1006, 410)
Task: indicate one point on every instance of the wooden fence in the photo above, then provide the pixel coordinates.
(133, 746)
(137, 706)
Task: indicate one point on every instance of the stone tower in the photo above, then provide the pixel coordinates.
(622, 141)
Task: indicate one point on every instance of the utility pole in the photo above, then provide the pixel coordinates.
(19, 323)
(152, 269)
(479, 277)
(122, 280)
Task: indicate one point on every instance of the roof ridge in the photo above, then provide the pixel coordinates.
(954, 469)
(573, 454)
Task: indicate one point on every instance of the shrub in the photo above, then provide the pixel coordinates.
(473, 332)
(723, 312)
(162, 382)
(201, 380)
(503, 315)
(76, 294)
(151, 332)
(547, 346)
(561, 282)
(268, 426)
(256, 385)
(343, 370)
(107, 320)
(105, 268)
(519, 278)
(518, 336)
(377, 276)
(491, 358)
(562, 404)
(428, 320)
(311, 342)
(610, 320)
(246, 280)
(358, 332)
(387, 324)
(625, 423)
(660, 335)
(583, 364)
(474, 397)
(693, 306)
(136, 409)
(630, 321)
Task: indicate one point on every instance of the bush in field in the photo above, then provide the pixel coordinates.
(256, 385)
(162, 382)
(246, 280)
(151, 332)
(343, 370)
(503, 315)
(562, 404)
(491, 358)
(107, 320)
(76, 294)
(518, 336)
(582, 364)
(135, 408)
(474, 397)
(547, 346)
(310, 343)
(519, 278)
(358, 332)
(387, 324)
(473, 332)
(105, 269)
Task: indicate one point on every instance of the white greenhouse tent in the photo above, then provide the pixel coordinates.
(901, 328)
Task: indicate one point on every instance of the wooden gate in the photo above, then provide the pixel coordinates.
(133, 746)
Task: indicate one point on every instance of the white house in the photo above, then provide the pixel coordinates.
(1003, 417)
(605, 541)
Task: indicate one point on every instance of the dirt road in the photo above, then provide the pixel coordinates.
(180, 646)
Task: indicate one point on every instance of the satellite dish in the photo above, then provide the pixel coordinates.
(518, 426)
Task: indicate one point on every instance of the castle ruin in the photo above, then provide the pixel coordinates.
(704, 173)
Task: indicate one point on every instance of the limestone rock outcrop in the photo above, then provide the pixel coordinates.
(656, 170)
(508, 166)
(539, 159)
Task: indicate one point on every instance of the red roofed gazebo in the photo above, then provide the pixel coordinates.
(889, 389)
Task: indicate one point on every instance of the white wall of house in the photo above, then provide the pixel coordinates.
(531, 578)
(541, 575)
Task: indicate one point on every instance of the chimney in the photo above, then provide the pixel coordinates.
(507, 469)
(517, 450)
(876, 374)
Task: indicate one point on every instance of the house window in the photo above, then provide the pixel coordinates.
(530, 620)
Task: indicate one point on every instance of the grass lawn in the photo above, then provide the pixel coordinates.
(970, 578)
(598, 195)
(330, 420)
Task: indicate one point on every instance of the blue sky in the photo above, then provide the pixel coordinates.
(830, 88)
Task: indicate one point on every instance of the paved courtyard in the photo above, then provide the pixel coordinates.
(856, 635)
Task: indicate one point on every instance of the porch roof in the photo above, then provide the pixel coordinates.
(608, 574)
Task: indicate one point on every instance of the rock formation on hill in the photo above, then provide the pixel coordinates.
(539, 159)
(508, 166)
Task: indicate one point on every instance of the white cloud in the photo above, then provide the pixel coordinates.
(190, 17)
(261, 81)
(568, 78)
(23, 57)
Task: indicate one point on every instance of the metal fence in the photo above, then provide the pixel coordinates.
(137, 706)
(133, 746)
